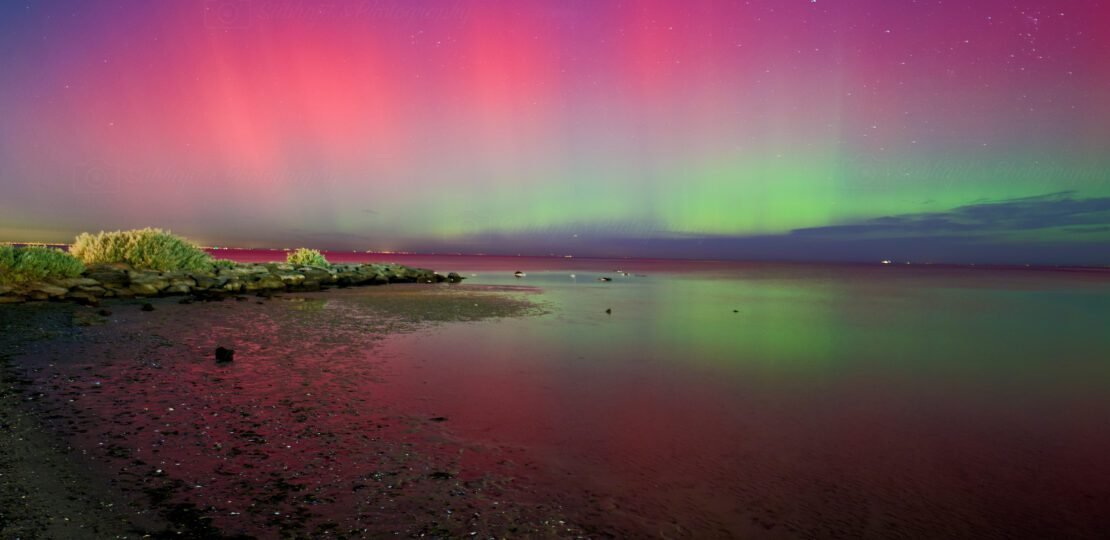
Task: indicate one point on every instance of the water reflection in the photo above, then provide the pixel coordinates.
(753, 401)
(793, 405)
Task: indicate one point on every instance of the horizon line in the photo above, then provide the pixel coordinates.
(870, 262)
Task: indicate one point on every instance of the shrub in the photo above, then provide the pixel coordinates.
(150, 249)
(36, 263)
(7, 258)
(307, 257)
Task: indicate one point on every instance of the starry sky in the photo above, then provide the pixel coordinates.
(926, 130)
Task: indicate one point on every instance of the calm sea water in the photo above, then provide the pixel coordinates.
(740, 398)
(704, 399)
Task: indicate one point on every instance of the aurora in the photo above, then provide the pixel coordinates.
(724, 130)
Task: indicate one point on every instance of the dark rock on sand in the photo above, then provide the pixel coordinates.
(148, 307)
(454, 278)
(603, 278)
(224, 355)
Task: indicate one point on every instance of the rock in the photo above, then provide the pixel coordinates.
(519, 274)
(145, 289)
(269, 281)
(148, 307)
(177, 289)
(369, 274)
(605, 278)
(183, 281)
(311, 273)
(154, 279)
(404, 274)
(186, 300)
(366, 271)
(73, 283)
(109, 276)
(144, 283)
(441, 475)
(232, 273)
(104, 313)
(224, 355)
(291, 279)
(122, 281)
(609, 311)
(83, 298)
(208, 281)
(120, 292)
(51, 291)
(438, 419)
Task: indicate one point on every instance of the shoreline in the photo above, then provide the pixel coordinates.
(122, 281)
(79, 383)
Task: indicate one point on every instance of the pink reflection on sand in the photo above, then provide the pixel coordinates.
(293, 436)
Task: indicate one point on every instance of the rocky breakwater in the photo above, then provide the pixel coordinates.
(122, 281)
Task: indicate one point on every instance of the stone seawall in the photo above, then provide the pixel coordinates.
(122, 281)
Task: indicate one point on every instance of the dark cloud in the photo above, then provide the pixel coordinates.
(1049, 211)
(1055, 228)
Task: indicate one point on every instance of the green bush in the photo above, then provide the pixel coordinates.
(150, 249)
(36, 263)
(7, 258)
(224, 263)
(307, 257)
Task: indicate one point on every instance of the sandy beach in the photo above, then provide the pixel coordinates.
(120, 424)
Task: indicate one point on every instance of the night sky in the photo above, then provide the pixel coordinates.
(945, 131)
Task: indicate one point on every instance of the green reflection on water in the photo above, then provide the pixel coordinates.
(835, 321)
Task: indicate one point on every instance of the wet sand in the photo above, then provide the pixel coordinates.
(47, 488)
(122, 425)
